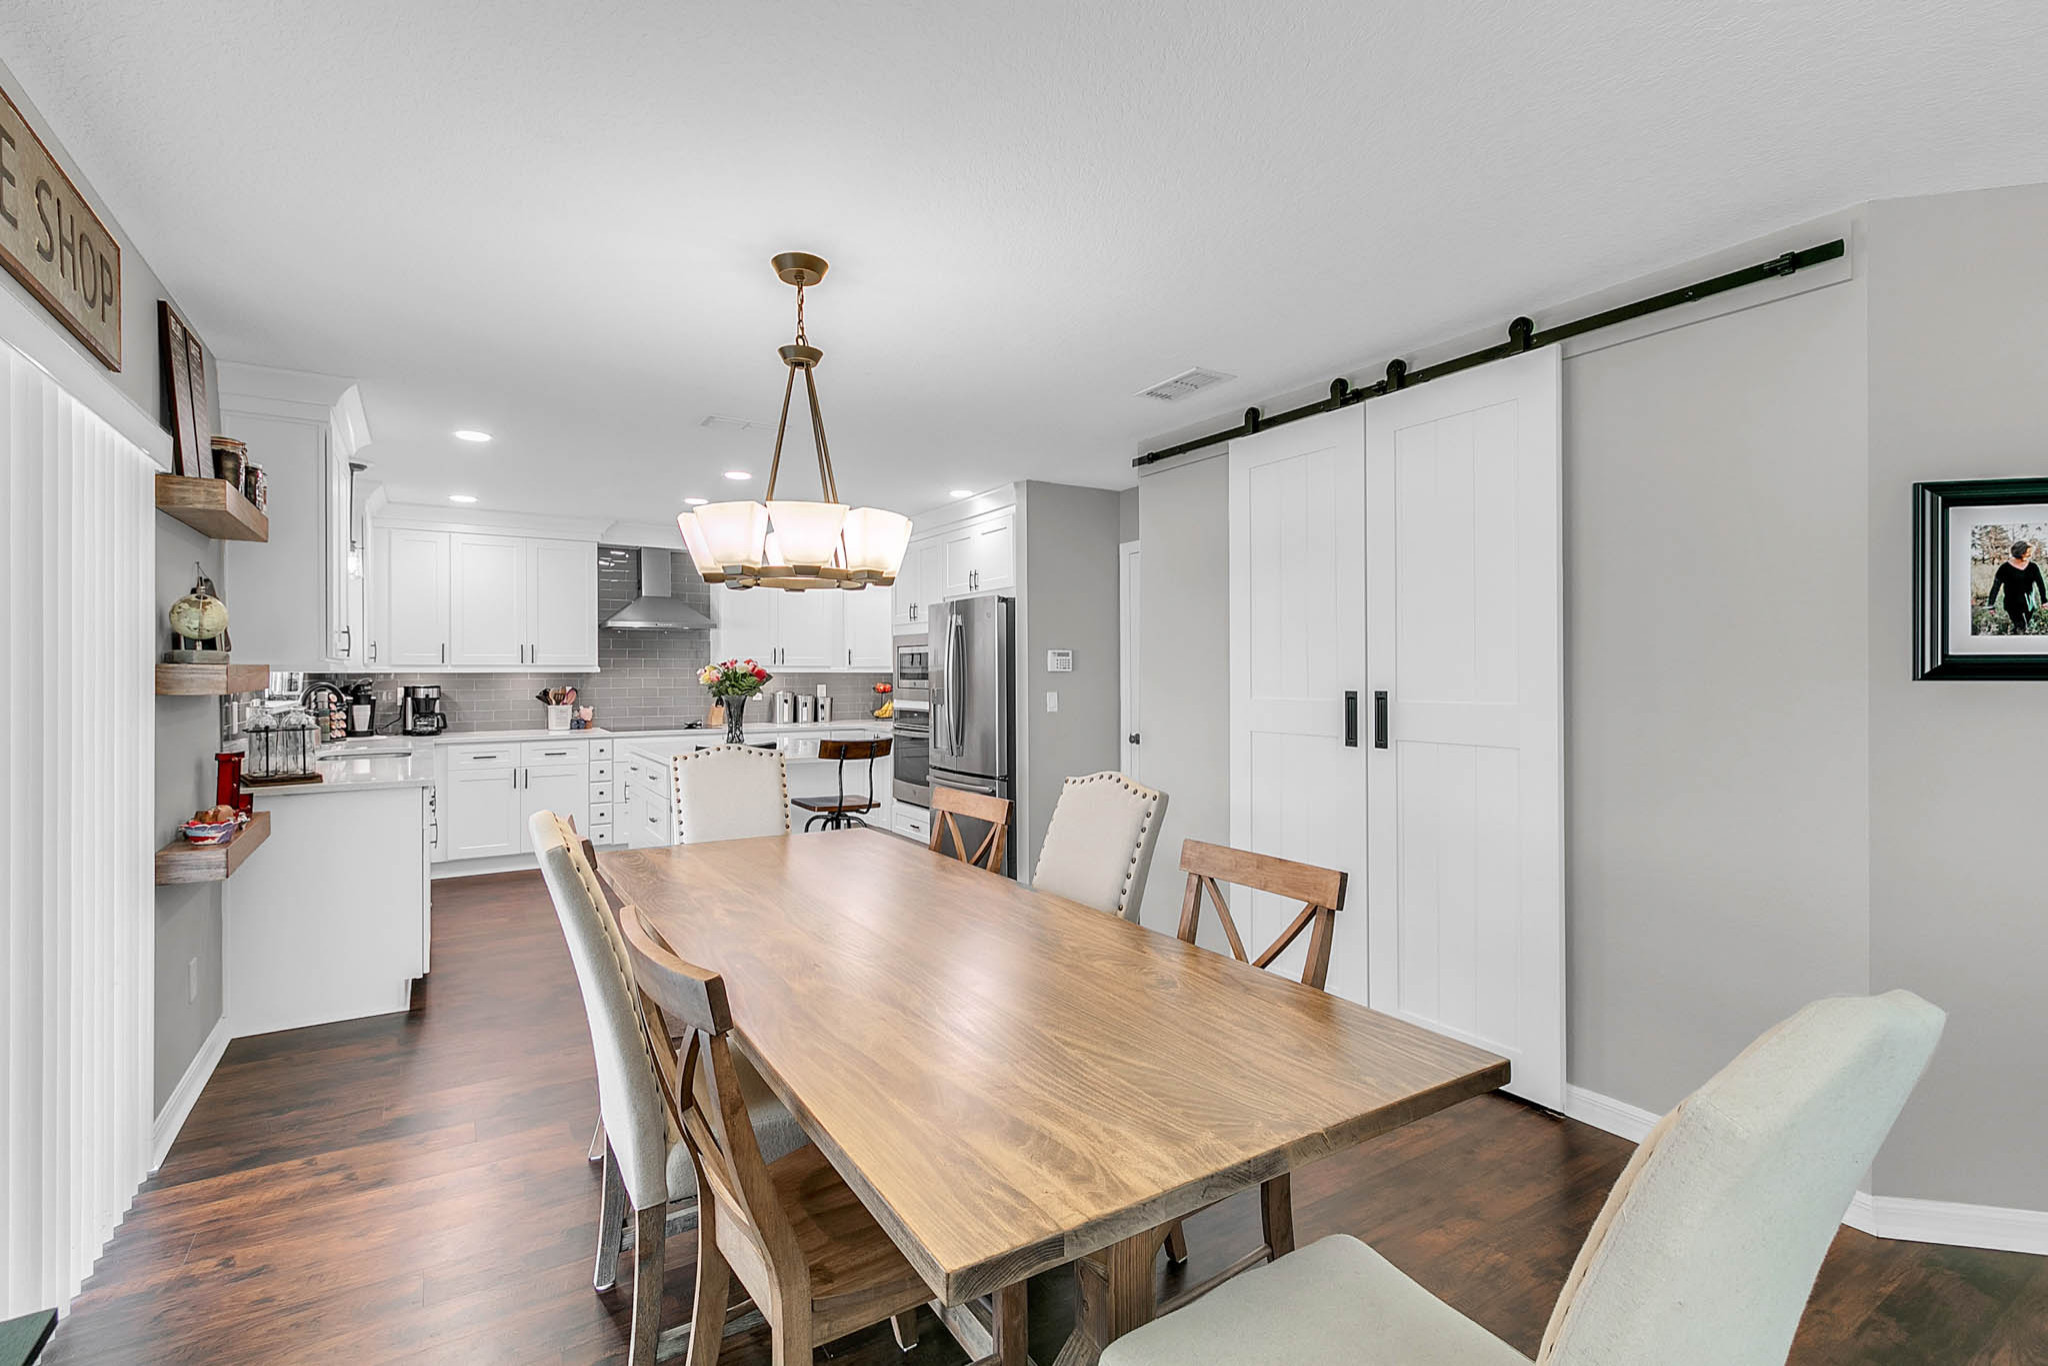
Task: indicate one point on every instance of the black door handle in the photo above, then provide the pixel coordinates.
(1379, 720)
(1134, 737)
(1351, 720)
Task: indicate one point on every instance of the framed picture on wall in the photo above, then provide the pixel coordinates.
(1980, 579)
(185, 393)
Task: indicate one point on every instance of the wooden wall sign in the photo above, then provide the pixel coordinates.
(52, 241)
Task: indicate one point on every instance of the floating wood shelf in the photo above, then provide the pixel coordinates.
(181, 861)
(210, 680)
(212, 506)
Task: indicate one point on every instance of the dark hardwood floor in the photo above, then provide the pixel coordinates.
(413, 1188)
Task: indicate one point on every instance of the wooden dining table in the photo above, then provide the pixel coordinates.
(1010, 1081)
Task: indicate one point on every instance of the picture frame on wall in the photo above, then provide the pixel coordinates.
(184, 379)
(1980, 579)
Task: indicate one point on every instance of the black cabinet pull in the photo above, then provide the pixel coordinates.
(1379, 720)
(1351, 720)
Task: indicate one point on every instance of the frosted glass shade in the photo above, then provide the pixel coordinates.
(875, 541)
(709, 569)
(733, 532)
(808, 533)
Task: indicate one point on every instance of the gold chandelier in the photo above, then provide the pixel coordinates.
(780, 543)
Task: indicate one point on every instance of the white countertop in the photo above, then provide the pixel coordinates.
(359, 773)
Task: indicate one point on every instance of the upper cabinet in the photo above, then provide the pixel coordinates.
(481, 601)
(981, 555)
(921, 583)
(814, 631)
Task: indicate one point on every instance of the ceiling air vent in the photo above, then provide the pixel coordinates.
(1185, 383)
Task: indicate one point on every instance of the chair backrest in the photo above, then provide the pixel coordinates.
(1319, 890)
(629, 1092)
(705, 1089)
(950, 803)
(1708, 1246)
(1098, 848)
(730, 792)
(858, 751)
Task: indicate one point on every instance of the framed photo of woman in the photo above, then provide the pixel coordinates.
(1980, 579)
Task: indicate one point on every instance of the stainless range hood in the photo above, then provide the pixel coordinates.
(654, 609)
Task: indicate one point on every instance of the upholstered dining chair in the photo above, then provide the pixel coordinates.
(789, 1229)
(1098, 848)
(646, 1164)
(949, 806)
(1703, 1255)
(730, 792)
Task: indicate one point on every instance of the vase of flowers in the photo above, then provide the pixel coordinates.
(732, 683)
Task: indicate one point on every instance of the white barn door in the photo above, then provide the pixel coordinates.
(1465, 808)
(1297, 671)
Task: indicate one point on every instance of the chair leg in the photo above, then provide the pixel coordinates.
(791, 1342)
(714, 1288)
(1177, 1244)
(1276, 1212)
(650, 1239)
(611, 1224)
(904, 1326)
(597, 1142)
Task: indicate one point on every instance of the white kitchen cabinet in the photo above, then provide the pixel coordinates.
(563, 601)
(488, 612)
(561, 786)
(409, 599)
(921, 583)
(811, 630)
(746, 620)
(981, 555)
(869, 637)
(481, 803)
(337, 507)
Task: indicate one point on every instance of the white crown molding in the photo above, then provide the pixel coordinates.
(966, 509)
(164, 1132)
(1883, 1216)
(426, 517)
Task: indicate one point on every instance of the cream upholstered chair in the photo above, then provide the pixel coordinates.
(1703, 1255)
(1098, 848)
(646, 1162)
(730, 792)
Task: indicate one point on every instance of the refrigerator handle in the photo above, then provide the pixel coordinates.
(956, 639)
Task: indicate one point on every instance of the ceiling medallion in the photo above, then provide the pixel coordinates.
(779, 543)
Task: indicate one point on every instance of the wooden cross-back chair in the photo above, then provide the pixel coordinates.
(949, 803)
(1321, 894)
(801, 1244)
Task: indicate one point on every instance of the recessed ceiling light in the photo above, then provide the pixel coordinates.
(961, 493)
(696, 502)
(472, 434)
(462, 498)
(739, 474)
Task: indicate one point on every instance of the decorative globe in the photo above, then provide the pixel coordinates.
(199, 616)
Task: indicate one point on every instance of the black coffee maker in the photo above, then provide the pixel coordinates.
(362, 709)
(420, 713)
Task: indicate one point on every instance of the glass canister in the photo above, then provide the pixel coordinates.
(262, 758)
(298, 737)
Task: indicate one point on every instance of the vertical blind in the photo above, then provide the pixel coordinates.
(77, 756)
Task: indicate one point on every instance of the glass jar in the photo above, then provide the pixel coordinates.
(261, 733)
(298, 739)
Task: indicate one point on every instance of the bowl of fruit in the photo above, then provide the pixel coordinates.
(215, 825)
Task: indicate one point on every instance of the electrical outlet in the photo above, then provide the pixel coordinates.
(191, 981)
(1052, 701)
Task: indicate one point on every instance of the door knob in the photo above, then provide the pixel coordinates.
(1134, 737)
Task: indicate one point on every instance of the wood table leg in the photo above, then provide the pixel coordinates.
(1010, 1326)
(1113, 1295)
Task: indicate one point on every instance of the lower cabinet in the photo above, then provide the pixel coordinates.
(488, 792)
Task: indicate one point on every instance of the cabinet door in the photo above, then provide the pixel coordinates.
(335, 545)
(487, 608)
(480, 810)
(905, 596)
(869, 638)
(747, 621)
(562, 787)
(981, 557)
(812, 632)
(412, 592)
(563, 595)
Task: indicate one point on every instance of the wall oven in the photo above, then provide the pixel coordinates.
(913, 727)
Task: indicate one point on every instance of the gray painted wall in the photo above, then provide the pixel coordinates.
(187, 729)
(1958, 390)
(1069, 565)
(1184, 665)
(1716, 779)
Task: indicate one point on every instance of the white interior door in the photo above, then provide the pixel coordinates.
(1297, 668)
(1128, 560)
(1465, 877)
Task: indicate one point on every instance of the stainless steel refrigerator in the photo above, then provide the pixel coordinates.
(974, 731)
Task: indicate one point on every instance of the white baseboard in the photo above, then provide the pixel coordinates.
(1884, 1216)
(1607, 1114)
(164, 1132)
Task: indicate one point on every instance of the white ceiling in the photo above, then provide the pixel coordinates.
(553, 222)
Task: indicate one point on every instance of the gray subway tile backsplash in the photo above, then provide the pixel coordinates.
(646, 680)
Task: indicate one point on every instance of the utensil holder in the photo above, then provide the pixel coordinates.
(558, 716)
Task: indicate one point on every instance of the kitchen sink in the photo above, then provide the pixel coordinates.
(364, 745)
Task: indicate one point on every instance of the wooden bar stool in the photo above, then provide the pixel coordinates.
(839, 813)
